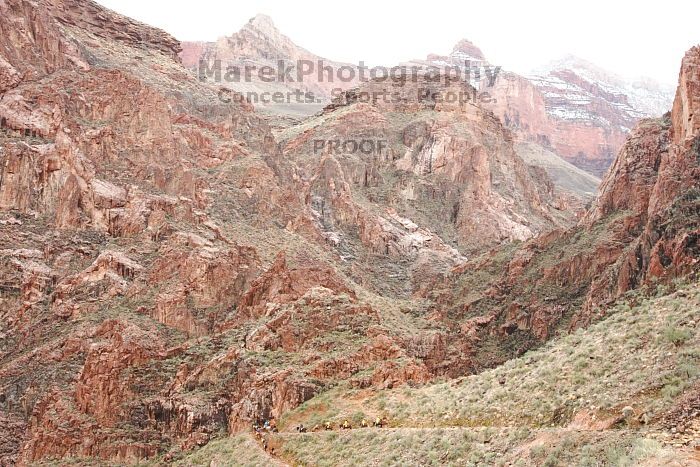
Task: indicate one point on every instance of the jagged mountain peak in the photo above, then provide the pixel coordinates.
(178, 270)
(467, 49)
(264, 24)
(259, 38)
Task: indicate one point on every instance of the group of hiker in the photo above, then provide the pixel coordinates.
(269, 426)
(261, 432)
(263, 429)
(345, 425)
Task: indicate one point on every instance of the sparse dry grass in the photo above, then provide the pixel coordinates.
(643, 356)
(471, 447)
(241, 450)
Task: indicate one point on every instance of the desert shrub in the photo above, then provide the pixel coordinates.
(676, 335)
(617, 455)
(643, 448)
(672, 388)
(538, 452)
(588, 457)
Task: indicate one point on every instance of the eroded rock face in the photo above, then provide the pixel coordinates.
(454, 156)
(168, 274)
(144, 225)
(108, 276)
(591, 112)
(281, 285)
(629, 184)
(100, 390)
(101, 166)
(641, 230)
(570, 107)
(686, 125)
(201, 277)
(664, 193)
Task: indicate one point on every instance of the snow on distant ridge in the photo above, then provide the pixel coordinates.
(644, 97)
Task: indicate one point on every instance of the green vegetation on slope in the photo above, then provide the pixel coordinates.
(544, 408)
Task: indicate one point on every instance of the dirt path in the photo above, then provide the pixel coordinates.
(546, 437)
(271, 450)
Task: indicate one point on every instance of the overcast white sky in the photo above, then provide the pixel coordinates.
(630, 38)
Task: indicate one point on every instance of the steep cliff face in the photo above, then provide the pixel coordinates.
(95, 19)
(592, 111)
(441, 166)
(34, 42)
(570, 107)
(643, 229)
(686, 120)
(662, 190)
(144, 222)
(170, 274)
(111, 251)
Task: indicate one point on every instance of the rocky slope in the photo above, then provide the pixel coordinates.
(570, 107)
(567, 403)
(166, 271)
(593, 111)
(640, 238)
(440, 166)
(116, 164)
(642, 229)
(567, 178)
(171, 270)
